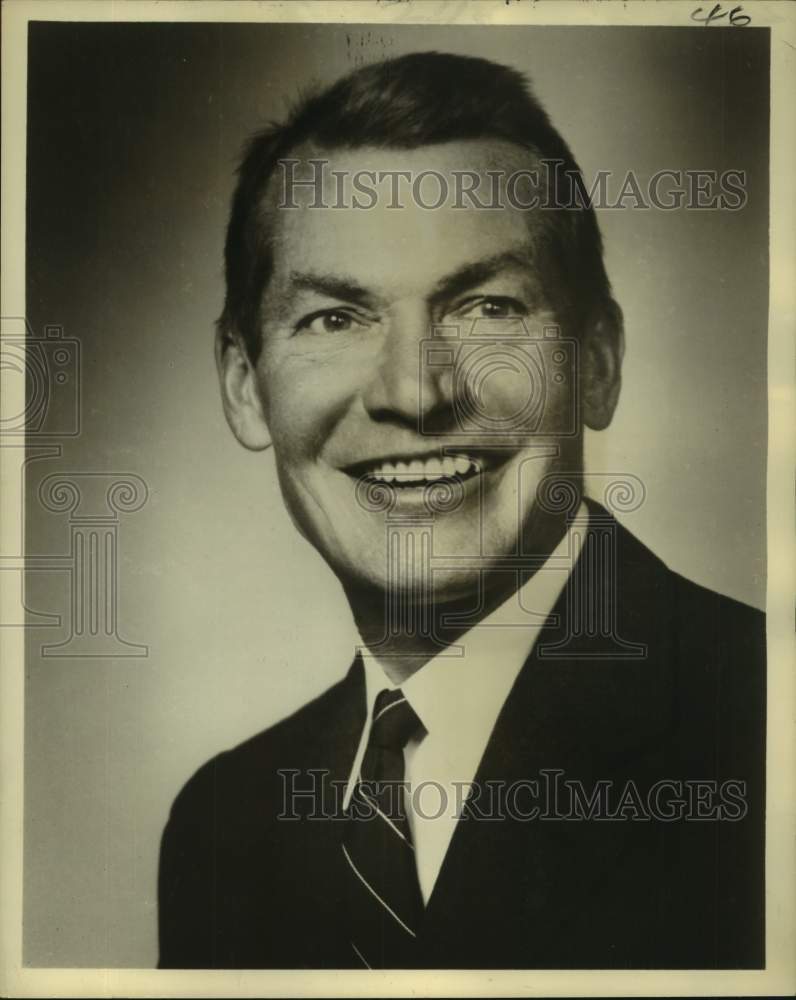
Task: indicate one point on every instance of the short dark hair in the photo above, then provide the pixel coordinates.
(420, 99)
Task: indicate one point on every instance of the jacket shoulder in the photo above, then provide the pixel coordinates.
(287, 740)
(222, 834)
(733, 630)
(692, 609)
(711, 646)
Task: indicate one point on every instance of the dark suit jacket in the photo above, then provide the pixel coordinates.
(659, 679)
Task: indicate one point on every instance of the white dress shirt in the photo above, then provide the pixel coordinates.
(458, 696)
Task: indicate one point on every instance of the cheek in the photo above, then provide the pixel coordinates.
(517, 394)
(304, 397)
(506, 388)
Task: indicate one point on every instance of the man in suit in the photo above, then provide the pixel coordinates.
(548, 752)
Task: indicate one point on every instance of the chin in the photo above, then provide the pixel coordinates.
(411, 579)
(450, 591)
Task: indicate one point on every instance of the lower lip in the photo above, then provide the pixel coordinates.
(434, 496)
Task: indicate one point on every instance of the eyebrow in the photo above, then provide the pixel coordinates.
(335, 286)
(348, 289)
(469, 275)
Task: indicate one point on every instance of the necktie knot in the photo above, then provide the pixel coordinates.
(394, 721)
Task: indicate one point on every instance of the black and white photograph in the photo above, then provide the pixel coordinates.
(397, 455)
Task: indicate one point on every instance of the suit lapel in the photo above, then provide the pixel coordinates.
(308, 877)
(339, 746)
(594, 714)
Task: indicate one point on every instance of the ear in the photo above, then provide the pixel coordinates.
(240, 393)
(602, 349)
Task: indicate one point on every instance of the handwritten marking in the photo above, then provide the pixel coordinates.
(736, 16)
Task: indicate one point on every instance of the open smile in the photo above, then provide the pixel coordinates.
(414, 471)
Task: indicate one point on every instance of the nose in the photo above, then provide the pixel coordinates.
(404, 387)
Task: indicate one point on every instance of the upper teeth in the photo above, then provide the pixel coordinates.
(423, 470)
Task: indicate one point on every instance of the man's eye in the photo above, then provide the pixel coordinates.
(330, 321)
(494, 307)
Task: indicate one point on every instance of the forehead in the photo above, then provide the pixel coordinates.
(413, 246)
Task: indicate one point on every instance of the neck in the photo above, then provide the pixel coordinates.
(388, 623)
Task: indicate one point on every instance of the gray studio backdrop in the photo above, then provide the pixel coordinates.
(229, 619)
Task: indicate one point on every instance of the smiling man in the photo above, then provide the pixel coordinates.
(548, 749)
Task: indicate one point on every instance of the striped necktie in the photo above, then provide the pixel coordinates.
(385, 904)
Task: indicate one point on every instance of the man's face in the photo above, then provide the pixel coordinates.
(367, 399)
